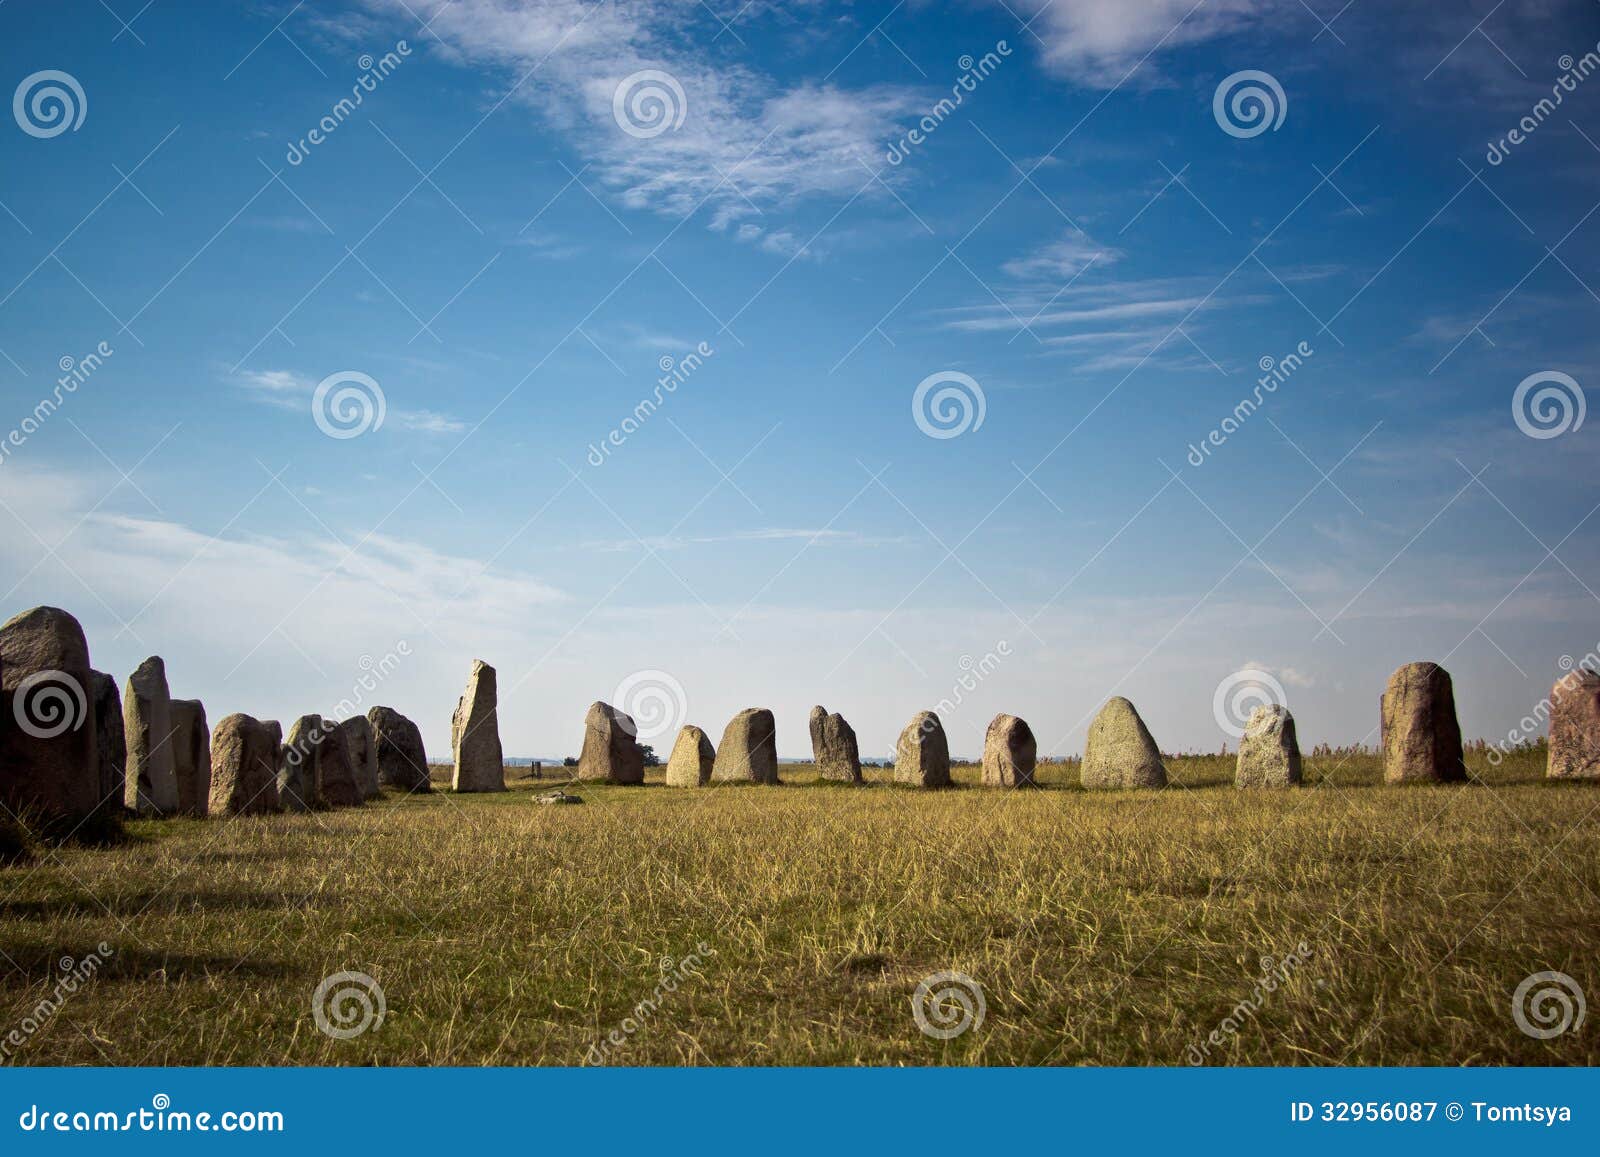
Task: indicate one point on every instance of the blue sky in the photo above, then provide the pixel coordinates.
(487, 242)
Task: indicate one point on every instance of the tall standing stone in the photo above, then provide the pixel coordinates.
(1575, 726)
(611, 751)
(1269, 752)
(922, 755)
(363, 754)
(336, 766)
(402, 760)
(833, 746)
(191, 756)
(152, 786)
(111, 745)
(244, 767)
(692, 759)
(300, 765)
(748, 752)
(1119, 752)
(1421, 737)
(49, 750)
(475, 734)
(1010, 753)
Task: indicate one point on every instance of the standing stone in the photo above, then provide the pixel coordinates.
(244, 767)
(1119, 752)
(1421, 738)
(49, 750)
(1269, 752)
(363, 755)
(111, 744)
(191, 756)
(833, 747)
(611, 751)
(748, 752)
(402, 760)
(152, 783)
(475, 734)
(922, 756)
(692, 759)
(1009, 753)
(336, 766)
(1575, 726)
(299, 765)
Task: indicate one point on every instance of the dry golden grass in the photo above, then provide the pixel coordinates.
(1112, 928)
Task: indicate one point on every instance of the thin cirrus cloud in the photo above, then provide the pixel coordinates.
(291, 391)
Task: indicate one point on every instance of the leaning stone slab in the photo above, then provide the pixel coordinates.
(191, 756)
(299, 765)
(922, 756)
(1010, 752)
(152, 787)
(244, 767)
(748, 752)
(833, 747)
(611, 751)
(363, 754)
(1269, 751)
(110, 744)
(692, 759)
(1119, 752)
(337, 767)
(475, 734)
(49, 750)
(1575, 726)
(1421, 737)
(402, 760)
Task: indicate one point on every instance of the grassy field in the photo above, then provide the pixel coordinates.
(1108, 928)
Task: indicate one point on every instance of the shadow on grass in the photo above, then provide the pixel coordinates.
(149, 902)
(29, 964)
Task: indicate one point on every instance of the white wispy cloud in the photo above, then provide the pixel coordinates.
(291, 391)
